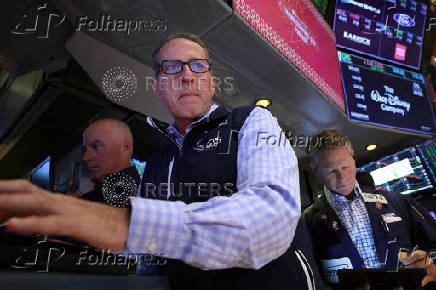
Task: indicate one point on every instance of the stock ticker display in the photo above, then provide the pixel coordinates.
(385, 95)
(402, 172)
(428, 153)
(391, 30)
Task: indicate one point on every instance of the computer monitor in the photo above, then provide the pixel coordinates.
(402, 172)
(428, 153)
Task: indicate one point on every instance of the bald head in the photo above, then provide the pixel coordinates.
(107, 147)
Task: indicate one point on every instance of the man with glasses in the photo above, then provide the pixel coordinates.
(230, 185)
(215, 198)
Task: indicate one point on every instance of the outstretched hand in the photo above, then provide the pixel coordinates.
(413, 260)
(28, 209)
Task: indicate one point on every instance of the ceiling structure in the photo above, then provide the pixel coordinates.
(239, 54)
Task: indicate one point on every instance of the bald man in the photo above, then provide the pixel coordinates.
(107, 152)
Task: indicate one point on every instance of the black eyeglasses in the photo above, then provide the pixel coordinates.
(174, 66)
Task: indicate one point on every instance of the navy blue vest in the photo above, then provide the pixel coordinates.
(204, 167)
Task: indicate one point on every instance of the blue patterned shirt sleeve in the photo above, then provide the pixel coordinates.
(354, 217)
(248, 229)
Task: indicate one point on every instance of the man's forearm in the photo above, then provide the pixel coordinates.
(247, 230)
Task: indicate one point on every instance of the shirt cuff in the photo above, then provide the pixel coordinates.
(158, 226)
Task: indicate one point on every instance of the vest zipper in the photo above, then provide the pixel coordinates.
(165, 135)
(170, 170)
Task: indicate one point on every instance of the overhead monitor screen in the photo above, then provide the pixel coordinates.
(391, 30)
(385, 95)
(428, 153)
(402, 172)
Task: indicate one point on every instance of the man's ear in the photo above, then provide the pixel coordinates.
(352, 155)
(155, 86)
(127, 146)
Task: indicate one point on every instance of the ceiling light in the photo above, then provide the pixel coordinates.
(371, 147)
(263, 103)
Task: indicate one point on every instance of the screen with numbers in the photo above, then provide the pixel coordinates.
(402, 172)
(391, 30)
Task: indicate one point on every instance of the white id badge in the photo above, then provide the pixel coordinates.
(330, 268)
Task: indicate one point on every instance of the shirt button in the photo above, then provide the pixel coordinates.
(152, 247)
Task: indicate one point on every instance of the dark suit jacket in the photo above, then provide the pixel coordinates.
(333, 245)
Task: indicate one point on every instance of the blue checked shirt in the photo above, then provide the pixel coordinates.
(248, 229)
(354, 217)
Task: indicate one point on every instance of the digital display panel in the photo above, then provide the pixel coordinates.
(385, 95)
(391, 30)
(321, 5)
(297, 30)
(428, 153)
(402, 172)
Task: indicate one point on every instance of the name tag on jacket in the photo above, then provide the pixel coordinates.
(371, 197)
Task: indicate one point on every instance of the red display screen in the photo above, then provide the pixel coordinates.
(301, 34)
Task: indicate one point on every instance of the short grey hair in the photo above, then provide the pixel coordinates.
(189, 36)
(327, 139)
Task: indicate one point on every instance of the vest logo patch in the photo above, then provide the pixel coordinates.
(370, 197)
(210, 144)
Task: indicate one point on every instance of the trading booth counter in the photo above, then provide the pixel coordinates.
(13, 280)
(45, 263)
